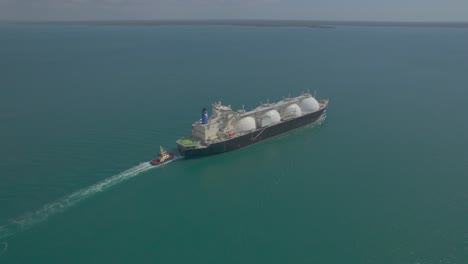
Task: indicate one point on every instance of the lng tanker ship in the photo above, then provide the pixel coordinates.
(228, 130)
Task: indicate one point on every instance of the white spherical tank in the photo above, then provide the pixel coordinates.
(309, 105)
(292, 110)
(245, 124)
(271, 117)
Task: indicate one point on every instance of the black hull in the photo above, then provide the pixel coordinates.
(253, 137)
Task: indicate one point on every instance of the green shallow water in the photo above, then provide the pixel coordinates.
(383, 180)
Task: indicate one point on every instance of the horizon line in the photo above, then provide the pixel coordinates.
(236, 19)
(243, 22)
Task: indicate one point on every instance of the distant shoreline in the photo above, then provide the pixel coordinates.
(252, 23)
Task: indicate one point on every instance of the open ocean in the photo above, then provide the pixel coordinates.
(383, 180)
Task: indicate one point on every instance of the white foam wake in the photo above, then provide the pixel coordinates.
(28, 220)
(5, 247)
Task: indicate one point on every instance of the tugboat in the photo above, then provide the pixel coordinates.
(162, 157)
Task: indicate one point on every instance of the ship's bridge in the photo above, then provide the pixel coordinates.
(220, 120)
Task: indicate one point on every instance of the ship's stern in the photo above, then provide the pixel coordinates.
(186, 144)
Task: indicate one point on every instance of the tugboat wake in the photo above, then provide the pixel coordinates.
(28, 220)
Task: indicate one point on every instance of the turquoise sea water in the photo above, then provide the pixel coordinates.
(383, 180)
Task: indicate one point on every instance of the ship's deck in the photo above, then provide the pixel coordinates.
(269, 106)
(188, 142)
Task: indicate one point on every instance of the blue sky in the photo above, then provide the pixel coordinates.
(362, 10)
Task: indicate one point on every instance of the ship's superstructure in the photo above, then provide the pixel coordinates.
(227, 130)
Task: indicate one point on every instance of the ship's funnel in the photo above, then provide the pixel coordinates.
(204, 116)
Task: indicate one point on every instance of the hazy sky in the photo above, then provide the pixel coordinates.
(375, 10)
